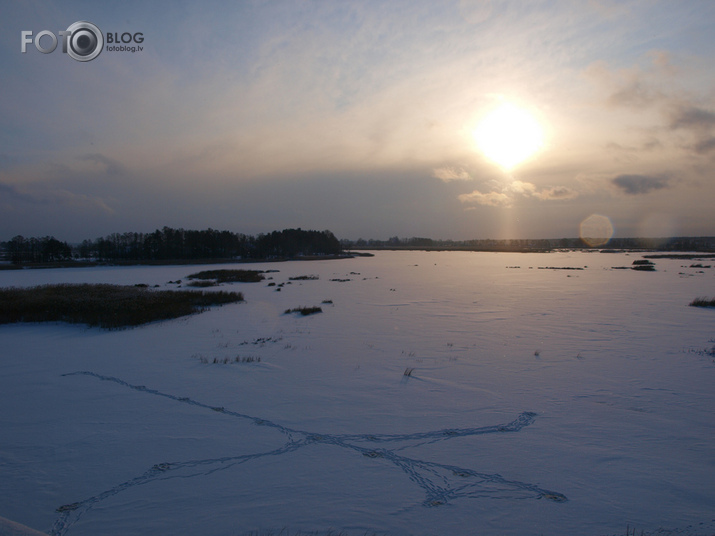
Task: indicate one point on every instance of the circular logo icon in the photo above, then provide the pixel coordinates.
(86, 41)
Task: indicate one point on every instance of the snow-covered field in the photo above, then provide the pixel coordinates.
(439, 394)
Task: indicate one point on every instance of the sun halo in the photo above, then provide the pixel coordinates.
(508, 136)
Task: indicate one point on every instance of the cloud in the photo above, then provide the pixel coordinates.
(683, 120)
(492, 199)
(53, 197)
(520, 187)
(448, 174)
(696, 122)
(639, 184)
(8, 190)
(633, 94)
(475, 11)
(692, 118)
(111, 166)
(509, 193)
(556, 193)
(704, 146)
(627, 154)
(626, 88)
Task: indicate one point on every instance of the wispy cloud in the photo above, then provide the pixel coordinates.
(506, 195)
(696, 122)
(492, 199)
(11, 193)
(449, 174)
(692, 118)
(635, 87)
(521, 187)
(111, 166)
(704, 145)
(557, 193)
(52, 196)
(681, 120)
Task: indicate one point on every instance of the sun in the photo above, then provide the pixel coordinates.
(509, 135)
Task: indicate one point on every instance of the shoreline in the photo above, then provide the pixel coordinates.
(168, 262)
(648, 253)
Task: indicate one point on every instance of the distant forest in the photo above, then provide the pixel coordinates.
(174, 244)
(167, 245)
(701, 243)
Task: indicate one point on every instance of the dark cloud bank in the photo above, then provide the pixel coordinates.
(639, 184)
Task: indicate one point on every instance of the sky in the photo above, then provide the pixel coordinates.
(368, 118)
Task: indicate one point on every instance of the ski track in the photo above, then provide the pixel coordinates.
(441, 483)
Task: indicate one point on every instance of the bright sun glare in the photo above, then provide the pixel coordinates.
(509, 135)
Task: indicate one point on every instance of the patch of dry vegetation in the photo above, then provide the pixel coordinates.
(703, 302)
(305, 311)
(230, 276)
(103, 305)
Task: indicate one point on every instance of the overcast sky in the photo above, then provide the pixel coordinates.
(359, 117)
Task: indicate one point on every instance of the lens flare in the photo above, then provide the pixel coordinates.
(596, 230)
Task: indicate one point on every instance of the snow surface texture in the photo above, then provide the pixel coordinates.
(439, 393)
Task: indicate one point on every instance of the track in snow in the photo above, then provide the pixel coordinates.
(441, 483)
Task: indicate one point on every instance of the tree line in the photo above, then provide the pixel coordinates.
(174, 244)
(682, 243)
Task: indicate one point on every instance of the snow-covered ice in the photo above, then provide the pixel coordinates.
(540, 402)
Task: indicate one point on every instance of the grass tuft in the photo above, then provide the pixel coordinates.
(203, 283)
(703, 302)
(226, 360)
(305, 311)
(643, 265)
(103, 305)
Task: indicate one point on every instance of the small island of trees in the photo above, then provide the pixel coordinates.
(167, 244)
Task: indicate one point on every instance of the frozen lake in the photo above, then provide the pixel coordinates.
(439, 393)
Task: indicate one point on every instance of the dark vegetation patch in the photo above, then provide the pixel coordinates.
(305, 311)
(202, 283)
(106, 306)
(227, 360)
(643, 266)
(304, 278)
(703, 302)
(261, 341)
(560, 268)
(230, 276)
(684, 256)
(705, 352)
(638, 265)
